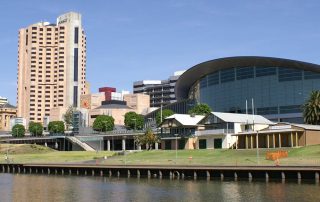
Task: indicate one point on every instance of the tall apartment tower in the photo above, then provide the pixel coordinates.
(51, 66)
(161, 91)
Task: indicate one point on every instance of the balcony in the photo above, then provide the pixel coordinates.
(214, 132)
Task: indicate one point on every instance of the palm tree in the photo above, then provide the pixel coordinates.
(311, 109)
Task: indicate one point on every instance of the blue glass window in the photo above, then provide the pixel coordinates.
(244, 73)
(213, 79)
(227, 75)
(265, 71)
(286, 74)
(267, 110)
(203, 82)
(290, 109)
(311, 75)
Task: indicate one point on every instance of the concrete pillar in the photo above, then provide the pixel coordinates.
(297, 142)
(273, 141)
(182, 175)
(267, 177)
(291, 139)
(123, 144)
(101, 173)
(92, 173)
(283, 176)
(221, 176)
(251, 141)
(110, 173)
(279, 140)
(237, 139)
(69, 171)
(156, 146)
(316, 176)
(299, 176)
(235, 176)
(85, 172)
(108, 145)
(128, 173)
(250, 176)
(139, 147)
(208, 174)
(149, 174)
(195, 175)
(62, 172)
(118, 173)
(160, 174)
(246, 142)
(138, 173)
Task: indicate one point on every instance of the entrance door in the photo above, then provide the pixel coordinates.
(203, 144)
(218, 143)
(167, 145)
(182, 143)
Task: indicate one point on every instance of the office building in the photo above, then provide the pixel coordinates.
(51, 66)
(277, 87)
(161, 91)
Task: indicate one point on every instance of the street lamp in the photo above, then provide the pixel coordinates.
(176, 146)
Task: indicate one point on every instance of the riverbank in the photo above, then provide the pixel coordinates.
(304, 156)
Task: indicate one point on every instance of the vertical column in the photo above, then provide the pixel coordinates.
(246, 142)
(268, 141)
(108, 145)
(237, 139)
(279, 140)
(291, 139)
(297, 142)
(273, 141)
(156, 146)
(251, 142)
(123, 144)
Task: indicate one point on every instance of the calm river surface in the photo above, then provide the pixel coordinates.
(22, 187)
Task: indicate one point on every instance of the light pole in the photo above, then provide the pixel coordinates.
(125, 156)
(176, 146)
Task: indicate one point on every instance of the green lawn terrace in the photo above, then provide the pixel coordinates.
(303, 156)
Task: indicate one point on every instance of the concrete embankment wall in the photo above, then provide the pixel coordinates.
(170, 172)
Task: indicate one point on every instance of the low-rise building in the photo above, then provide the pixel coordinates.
(279, 135)
(214, 131)
(7, 113)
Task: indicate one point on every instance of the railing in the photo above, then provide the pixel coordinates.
(214, 132)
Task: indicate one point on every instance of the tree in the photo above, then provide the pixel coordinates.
(133, 120)
(35, 129)
(200, 109)
(56, 127)
(148, 139)
(311, 109)
(18, 130)
(165, 113)
(103, 123)
(68, 116)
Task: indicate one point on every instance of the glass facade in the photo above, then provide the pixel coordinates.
(278, 92)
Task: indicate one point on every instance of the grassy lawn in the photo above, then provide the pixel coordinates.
(37, 154)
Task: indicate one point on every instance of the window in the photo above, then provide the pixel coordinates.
(244, 73)
(227, 75)
(290, 109)
(76, 35)
(267, 110)
(213, 79)
(288, 74)
(311, 75)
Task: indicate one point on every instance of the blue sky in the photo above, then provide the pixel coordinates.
(130, 40)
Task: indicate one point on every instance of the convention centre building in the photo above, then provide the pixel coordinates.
(277, 87)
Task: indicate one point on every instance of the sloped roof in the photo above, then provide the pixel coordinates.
(306, 126)
(7, 105)
(186, 119)
(242, 118)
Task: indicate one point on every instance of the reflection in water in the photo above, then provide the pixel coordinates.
(17, 187)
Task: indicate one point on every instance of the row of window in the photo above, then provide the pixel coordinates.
(240, 73)
(272, 110)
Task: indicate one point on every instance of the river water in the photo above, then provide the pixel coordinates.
(25, 187)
